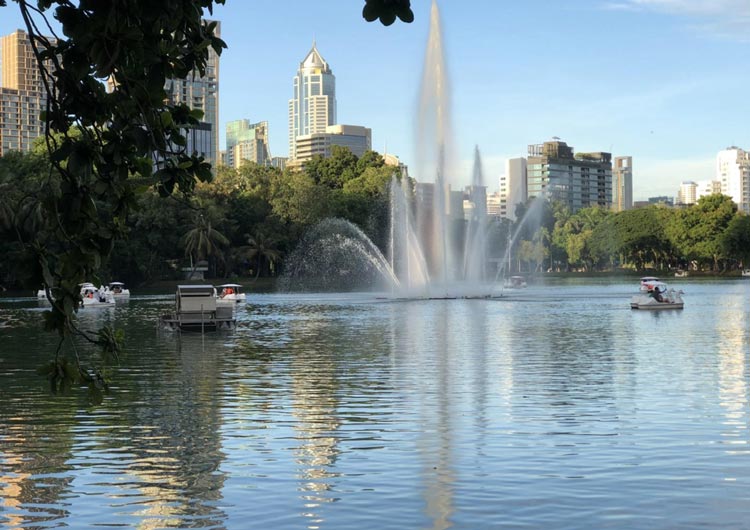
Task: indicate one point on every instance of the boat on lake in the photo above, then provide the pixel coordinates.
(92, 297)
(515, 282)
(196, 310)
(660, 297)
(230, 292)
(648, 282)
(679, 273)
(746, 272)
(118, 290)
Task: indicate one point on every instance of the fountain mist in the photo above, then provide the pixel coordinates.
(451, 251)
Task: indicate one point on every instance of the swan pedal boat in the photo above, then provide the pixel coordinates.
(230, 293)
(670, 299)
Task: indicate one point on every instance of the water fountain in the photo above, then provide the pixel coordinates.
(434, 251)
(336, 255)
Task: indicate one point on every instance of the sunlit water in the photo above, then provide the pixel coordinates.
(553, 407)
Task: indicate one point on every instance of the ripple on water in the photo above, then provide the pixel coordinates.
(541, 410)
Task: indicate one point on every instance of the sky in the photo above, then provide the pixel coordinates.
(663, 81)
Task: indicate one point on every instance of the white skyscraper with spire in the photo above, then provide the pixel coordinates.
(313, 106)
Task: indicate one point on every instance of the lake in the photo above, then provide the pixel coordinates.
(556, 406)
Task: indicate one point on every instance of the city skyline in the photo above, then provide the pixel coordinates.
(649, 79)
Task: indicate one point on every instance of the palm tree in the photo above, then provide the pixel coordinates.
(202, 241)
(262, 248)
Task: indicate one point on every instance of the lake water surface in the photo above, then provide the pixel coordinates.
(554, 407)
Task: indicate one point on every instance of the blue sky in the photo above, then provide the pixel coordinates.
(660, 80)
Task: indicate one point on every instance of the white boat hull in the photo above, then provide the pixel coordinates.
(235, 297)
(672, 300)
(93, 303)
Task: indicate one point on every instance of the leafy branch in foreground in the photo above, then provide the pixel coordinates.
(387, 11)
(105, 146)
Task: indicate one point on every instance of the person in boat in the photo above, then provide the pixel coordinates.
(230, 290)
(656, 294)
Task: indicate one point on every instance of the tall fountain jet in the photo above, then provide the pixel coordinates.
(475, 245)
(435, 153)
(450, 251)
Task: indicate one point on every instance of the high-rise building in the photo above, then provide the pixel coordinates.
(279, 162)
(622, 183)
(581, 180)
(493, 204)
(247, 141)
(513, 187)
(706, 188)
(22, 96)
(687, 193)
(357, 139)
(733, 172)
(18, 64)
(313, 105)
(201, 92)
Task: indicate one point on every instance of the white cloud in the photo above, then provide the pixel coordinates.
(724, 18)
(719, 8)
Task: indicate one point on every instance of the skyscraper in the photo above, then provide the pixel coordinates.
(733, 172)
(201, 93)
(22, 96)
(622, 183)
(581, 180)
(513, 187)
(687, 194)
(247, 141)
(313, 105)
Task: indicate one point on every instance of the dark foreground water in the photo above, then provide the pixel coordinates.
(558, 407)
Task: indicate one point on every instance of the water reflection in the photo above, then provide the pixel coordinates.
(170, 439)
(733, 349)
(315, 386)
(35, 447)
(425, 414)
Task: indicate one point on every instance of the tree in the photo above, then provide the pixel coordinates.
(697, 230)
(735, 240)
(203, 241)
(638, 235)
(102, 145)
(263, 250)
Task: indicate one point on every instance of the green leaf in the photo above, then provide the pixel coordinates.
(371, 11)
(166, 118)
(405, 14)
(46, 369)
(387, 18)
